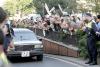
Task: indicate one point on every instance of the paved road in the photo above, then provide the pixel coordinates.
(47, 62)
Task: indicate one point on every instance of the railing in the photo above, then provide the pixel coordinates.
(54, 43)
(58, 36)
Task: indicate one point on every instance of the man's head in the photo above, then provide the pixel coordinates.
(3, 17)
(88, 16)
(98, 18)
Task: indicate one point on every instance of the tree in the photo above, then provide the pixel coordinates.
(10, 6)
(16, 6)
(67, 5)
(95, 8)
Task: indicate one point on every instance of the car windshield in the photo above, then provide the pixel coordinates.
(24, 36)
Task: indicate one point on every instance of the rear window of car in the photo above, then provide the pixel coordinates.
(24, 36)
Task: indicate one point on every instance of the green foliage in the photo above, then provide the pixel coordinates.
(27, 6)
(98, 45)
(62, 35)
(95, 8)
(82, 43)
(82, 47)
(80, 34)
(10, 6)
(23, 6)
(67, 5)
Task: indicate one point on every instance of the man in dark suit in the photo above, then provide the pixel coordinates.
(98, 28)
(90, 29)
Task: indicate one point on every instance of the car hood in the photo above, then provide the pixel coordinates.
(27, 42)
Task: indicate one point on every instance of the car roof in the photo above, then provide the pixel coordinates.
(21, 29)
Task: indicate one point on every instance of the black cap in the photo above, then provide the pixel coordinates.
(98, 16)
(88, 14)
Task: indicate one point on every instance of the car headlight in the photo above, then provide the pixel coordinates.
(11, 49)
(38, 46)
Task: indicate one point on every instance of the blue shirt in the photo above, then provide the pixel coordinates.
(7, 40)
(98, 26)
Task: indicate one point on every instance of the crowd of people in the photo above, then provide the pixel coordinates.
(69, 24)
(55, 23)
(5, 38)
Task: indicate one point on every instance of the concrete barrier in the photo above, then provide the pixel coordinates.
(58, 48)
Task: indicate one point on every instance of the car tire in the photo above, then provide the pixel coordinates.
(39, 57)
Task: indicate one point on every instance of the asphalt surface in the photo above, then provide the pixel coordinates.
(47, 62)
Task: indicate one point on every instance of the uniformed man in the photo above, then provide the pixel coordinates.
(89, 28)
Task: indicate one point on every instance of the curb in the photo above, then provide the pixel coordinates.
(73, 60)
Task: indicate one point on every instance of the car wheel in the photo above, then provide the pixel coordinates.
(39, 57)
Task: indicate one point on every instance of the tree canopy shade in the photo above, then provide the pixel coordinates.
(67, 5)
(27, 6)
(96, 7)
(15, 6)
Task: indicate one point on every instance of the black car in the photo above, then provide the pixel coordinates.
(26, 44)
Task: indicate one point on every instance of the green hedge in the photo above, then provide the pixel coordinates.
(81, 37)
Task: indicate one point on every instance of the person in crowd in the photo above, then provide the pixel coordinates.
(64, 26)
(74, 19)
(56, 24)
(8, 37)
(51, 23)
(97, 28)
(89, 28)
(45, 28)
(48, 23)
(3, 58)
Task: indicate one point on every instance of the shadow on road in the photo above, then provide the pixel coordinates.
(22, 60)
